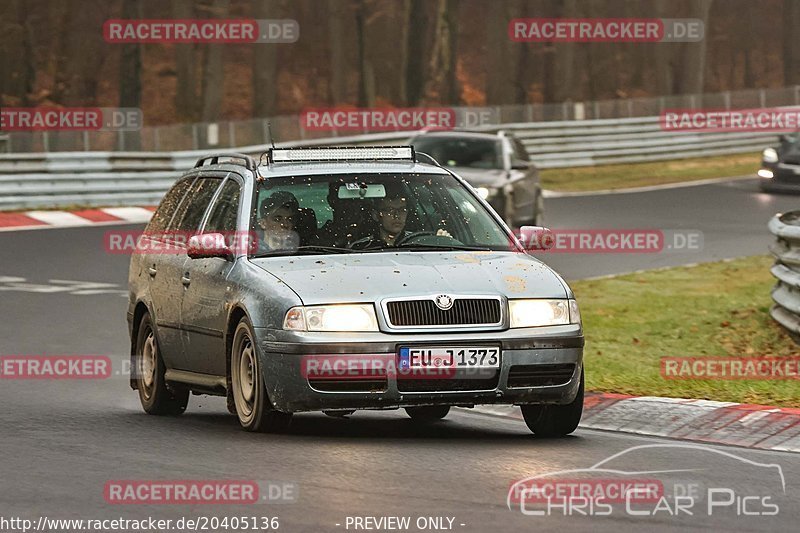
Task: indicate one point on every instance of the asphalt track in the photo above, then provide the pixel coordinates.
(61, 441)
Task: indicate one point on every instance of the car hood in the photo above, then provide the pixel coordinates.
(482, 177)
(369, 277)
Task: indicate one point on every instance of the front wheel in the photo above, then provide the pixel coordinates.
(155, 397)
(253, 406)
(554, 420)
(428, 413)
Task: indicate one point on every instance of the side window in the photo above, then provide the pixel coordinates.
(224, 211)
(191, 211)
(168, 205)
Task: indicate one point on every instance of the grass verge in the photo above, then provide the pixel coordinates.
(644, 174)
(714, 309)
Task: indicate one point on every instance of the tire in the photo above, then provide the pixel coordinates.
(253, 407)
(155, 396)
(428, 413)
(554, 420)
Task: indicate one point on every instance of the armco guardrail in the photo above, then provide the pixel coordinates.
(786, 249)
(119, 178)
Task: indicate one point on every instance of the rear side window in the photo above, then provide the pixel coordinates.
(226, 208)
(168, 206)
(191, 211)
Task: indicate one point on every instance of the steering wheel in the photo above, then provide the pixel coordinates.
(414, 235)
(362, 244)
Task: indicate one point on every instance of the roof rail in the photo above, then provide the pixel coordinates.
(249, 162)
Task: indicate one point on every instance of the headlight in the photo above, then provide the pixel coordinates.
(765, 173)
(770, 155)
(349, 317)
(483, 192)
(532, 313)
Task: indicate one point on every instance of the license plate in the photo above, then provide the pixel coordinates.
(414, 357)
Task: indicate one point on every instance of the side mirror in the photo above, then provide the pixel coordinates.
(208, 245)
(536, 238)
(519, 164)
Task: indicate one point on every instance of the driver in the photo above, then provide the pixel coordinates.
(391, 214)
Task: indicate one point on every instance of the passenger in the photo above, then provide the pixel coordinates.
(278, 220)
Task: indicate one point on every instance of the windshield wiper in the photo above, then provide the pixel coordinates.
(442, 247)
(304, 250)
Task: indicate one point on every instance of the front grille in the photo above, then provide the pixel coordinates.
(540, 375)
(464, 312)
(448, 385)
(349, 385)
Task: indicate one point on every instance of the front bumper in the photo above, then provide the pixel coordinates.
(537, 365)
(786, 178)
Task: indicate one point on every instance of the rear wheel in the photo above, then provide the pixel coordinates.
(555, 420)
(253, 406)
(427, 413)
(154, 395)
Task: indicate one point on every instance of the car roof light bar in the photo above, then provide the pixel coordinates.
(342, 153)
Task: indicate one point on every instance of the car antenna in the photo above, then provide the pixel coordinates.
(272, 142)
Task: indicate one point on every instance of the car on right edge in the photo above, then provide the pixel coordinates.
(780, 166)
(497, 165)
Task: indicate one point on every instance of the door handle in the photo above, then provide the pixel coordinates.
(186, 280)
(152, 271)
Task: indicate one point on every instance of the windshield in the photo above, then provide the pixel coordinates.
(348, 213)
(461, 151)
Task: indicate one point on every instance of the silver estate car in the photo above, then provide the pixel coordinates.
(346, 278)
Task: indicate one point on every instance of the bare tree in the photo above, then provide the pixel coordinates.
(693, 60)
(502, 56)
(337, 42)
(443, 64)
(185, 67)
(265, 65)
(417, 22)
(791, 44)
(366, 78)
(213, 74)
(16, 54)
(130, 67)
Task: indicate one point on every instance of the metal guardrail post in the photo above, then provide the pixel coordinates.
(786, 293)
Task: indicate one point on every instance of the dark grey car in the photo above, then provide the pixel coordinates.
(497, 165)
(780, 166)
(367, 280)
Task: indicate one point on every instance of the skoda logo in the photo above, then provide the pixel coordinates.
(443, 302)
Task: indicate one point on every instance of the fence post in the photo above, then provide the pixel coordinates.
(231, 134)
(85, 141)
(762, 98)
(727, 97)
(156, 140)
(45, 141)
